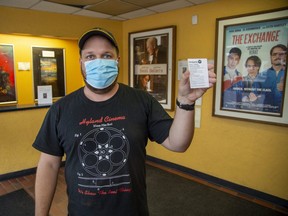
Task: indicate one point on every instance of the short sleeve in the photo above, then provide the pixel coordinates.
(47, 140)
(159, 122)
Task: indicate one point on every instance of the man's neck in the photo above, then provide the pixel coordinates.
(99, 95)
(277, 68)
(231, 72)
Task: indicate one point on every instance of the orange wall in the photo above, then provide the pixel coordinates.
(247, 153)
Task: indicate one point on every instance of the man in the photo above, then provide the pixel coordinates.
(232, 80)
(155, 54)
(144, 82)
(103, 129)
(252, 65)
(271, 81)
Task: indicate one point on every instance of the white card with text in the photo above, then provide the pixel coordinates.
(199, 77)
(44, 94)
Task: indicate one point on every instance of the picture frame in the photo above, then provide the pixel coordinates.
(49, 70)
(152, 63)
(248, 86)
(7, 75)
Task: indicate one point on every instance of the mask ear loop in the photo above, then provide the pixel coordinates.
(117, 60)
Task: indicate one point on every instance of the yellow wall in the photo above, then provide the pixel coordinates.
(18, 132)
(53, 25)
(30, 28)
(23, 53)
(246, 153)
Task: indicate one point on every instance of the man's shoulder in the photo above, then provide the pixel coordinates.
(130, 93)
(126, 88)
(238, 73)
(268, 72)
(69, 97)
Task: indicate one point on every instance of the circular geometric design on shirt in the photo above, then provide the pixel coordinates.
(90, 160)
(117, 142)
(117, 157)
(104, 167)
(89, 145)
(102, 137)
(103, 151)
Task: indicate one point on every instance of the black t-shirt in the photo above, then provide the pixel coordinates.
(104, 143)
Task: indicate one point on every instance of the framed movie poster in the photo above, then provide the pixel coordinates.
(151, 63)
(251, 67)
(49, 70)
(7, 75)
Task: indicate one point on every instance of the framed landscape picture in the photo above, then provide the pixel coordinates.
(49, 70)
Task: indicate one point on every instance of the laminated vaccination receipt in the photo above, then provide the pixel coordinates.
(199, 77)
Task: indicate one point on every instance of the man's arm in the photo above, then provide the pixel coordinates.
(182, 130)
(46, 181)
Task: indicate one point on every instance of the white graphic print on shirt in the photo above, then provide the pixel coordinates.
(103, 152)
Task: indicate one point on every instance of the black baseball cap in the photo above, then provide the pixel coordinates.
(94, 32)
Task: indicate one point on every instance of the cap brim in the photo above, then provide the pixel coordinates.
(97, 32)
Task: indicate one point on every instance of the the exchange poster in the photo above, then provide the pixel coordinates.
(254, 70)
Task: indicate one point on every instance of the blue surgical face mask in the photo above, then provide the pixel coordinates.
(101, 73)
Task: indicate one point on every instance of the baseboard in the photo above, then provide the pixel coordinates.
(17, 174)
(21, 173)
(279, 202)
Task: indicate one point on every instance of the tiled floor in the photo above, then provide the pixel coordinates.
(59, 205)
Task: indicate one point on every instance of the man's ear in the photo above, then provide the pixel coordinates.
(118, 60)
(82, 67)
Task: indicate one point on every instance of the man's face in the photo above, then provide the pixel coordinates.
(252, 69)
(278, 57)
(150, 46)
(145, 80)
(150, 49)
(233, 60)
(96, 47)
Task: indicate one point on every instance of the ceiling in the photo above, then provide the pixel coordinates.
(105, 9)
